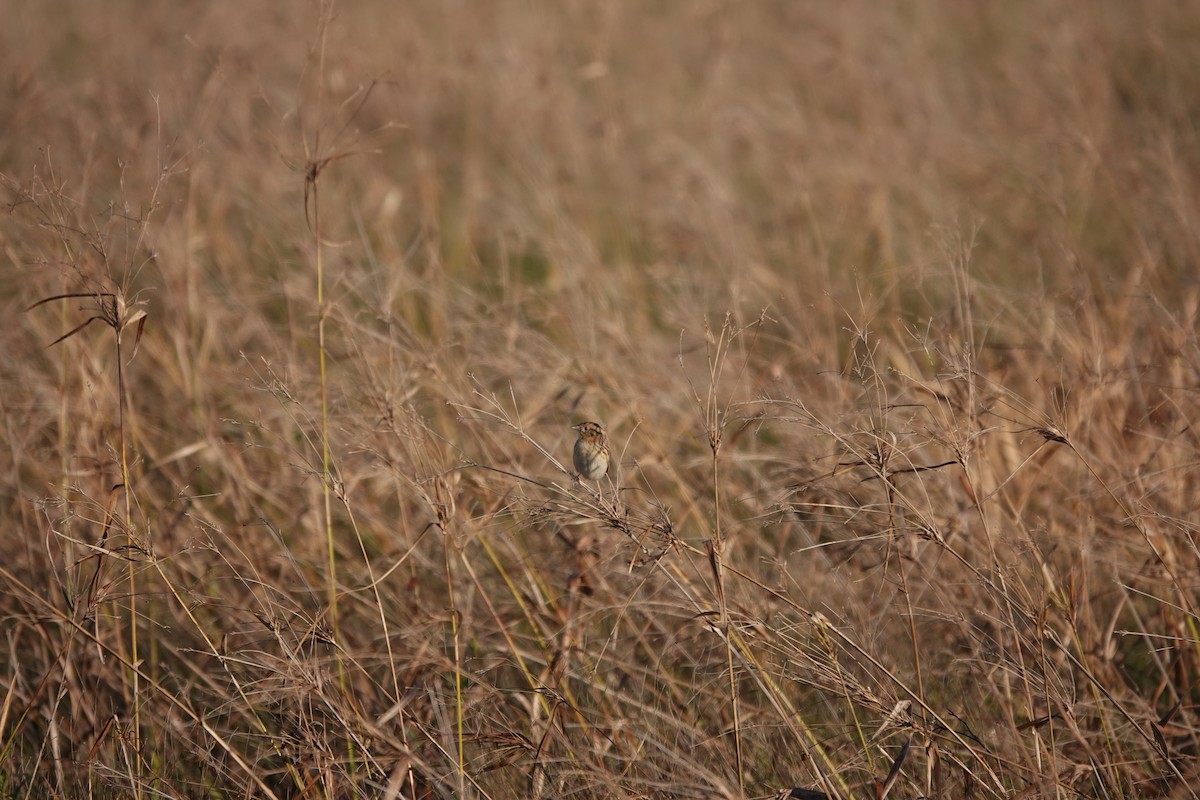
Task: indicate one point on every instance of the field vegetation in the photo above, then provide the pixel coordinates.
(889, 310)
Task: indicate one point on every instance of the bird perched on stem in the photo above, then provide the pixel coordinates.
(591, 456)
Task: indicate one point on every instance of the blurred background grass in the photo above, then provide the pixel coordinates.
(926, 275)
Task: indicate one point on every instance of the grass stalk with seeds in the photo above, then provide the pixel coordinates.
(118, 313)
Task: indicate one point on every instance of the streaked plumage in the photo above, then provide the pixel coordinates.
(591, 456)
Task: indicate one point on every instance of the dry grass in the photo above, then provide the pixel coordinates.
(890, 311)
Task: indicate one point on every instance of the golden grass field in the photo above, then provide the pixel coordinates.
(889, 311)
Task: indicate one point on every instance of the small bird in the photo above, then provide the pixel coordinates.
(591, 456)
